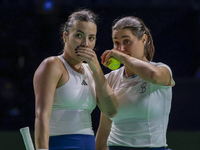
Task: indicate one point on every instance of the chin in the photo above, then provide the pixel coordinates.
(128, 54)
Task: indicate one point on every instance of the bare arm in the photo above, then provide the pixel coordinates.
(107, 101)
(45, 81)
(145, 70)
(103, 132)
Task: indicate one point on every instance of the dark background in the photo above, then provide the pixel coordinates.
(29, 34)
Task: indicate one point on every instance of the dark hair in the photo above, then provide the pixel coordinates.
(79, 15)
(138, 29)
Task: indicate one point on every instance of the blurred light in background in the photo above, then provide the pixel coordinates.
(14, 112)
(48, 5)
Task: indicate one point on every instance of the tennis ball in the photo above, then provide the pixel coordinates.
(113, 63)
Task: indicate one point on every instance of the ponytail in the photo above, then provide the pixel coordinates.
(149, 49)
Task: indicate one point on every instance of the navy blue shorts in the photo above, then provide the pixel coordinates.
(72, 142)
(132, 148)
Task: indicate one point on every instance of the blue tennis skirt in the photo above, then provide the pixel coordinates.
(72, 142)
(132, 148)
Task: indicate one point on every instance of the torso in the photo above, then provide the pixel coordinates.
(142, 113)
(74, 101)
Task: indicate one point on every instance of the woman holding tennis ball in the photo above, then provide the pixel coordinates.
(143, 88)
(67, 90)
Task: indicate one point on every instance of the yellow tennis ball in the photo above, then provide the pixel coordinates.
(113, 63)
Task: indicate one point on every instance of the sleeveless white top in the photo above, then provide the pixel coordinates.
(73, 104)
(143, 111)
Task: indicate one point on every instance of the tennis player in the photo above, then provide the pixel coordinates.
(143, 89)
(67, 90)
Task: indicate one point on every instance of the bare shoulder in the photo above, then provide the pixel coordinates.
(50, 65)
(51, 61)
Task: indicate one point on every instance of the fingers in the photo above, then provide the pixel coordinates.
(104, 56)
(85, 54)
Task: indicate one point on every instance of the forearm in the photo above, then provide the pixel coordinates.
(102, 87)
(107, 100)
(41, 133)
(141, 68)
(108, 105)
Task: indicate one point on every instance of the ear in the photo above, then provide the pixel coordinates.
(65, 36)
(144, 39)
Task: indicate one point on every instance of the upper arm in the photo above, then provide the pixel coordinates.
(162, 76)
(45, 82)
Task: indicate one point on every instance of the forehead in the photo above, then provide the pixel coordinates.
(120, 33)
(84, 26)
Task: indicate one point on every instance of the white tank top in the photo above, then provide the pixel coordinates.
(73, 104)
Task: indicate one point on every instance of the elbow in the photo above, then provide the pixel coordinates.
(110, 106)
(112, 113)
(41, 117)
(158, 78)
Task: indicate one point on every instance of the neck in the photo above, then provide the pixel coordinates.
(128, 72)
(74, 64)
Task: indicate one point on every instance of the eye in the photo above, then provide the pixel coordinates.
(78, 35)
(92, 38)
(127, 42)
(116, 43)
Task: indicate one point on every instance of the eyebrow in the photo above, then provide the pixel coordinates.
(125, 36)
(84, 33)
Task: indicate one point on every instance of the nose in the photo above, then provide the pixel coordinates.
(85, 42)
(121, 47)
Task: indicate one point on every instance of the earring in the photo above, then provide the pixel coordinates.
(64, 36)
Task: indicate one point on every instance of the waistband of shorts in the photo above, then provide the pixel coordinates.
(134, 148)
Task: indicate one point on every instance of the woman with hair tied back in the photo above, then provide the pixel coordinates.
(143, 89)
(67, 90)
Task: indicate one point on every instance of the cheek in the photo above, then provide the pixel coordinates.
(135, 50)
(140, 51)
(131, 48)
(73, 42)
(92, 44)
